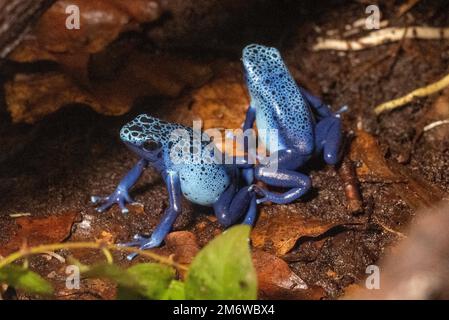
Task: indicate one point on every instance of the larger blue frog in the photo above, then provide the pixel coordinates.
(188, 168)
(305, 126)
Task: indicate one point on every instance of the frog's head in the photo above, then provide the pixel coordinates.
(146, 136)
(261, 63)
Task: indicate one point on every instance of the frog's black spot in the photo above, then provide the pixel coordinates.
(135, 128)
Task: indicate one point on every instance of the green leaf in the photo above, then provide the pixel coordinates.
(109, 271)
(175, 291)
(25, 279)
(146, 280)
(154, 278)
(223, 269)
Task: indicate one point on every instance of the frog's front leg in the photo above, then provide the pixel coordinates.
(171, 213)
(281, 173)
(233, 204)
(121, 194)
(250, 118)
(248, 173)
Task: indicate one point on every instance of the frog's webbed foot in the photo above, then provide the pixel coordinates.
(142, 243)
(261, 192)
(164, 227)
(119, 196)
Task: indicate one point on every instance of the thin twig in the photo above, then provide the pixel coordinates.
(420, 92)
(406, 7)
(25, 252)
(399, 234)
(381, 37)
(435, 124)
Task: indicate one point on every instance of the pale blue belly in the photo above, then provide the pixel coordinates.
(203, 184)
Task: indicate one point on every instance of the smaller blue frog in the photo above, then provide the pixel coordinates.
(195, 170)
(305, 126)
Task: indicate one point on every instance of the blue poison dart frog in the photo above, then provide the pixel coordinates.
(305, 126)
(169, 148)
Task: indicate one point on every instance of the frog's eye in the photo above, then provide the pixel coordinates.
(151, 145)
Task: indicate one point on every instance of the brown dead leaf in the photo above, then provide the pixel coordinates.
(414, 190)
(39, 230)
(278, 233)
(366, 152)
(277, 281)
(93, 71)
(182, 246)
(31, 97)
(222, 102)
(101, 22)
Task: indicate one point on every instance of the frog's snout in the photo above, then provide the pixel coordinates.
(132, 133)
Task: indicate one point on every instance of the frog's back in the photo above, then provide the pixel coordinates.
(279, 103)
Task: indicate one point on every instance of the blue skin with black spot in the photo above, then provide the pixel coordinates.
(196, 176)
(304, 124)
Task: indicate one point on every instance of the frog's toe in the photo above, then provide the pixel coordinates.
(141, 242)
(106, 204)
(262, 200)
(96, 199)
(119, 197)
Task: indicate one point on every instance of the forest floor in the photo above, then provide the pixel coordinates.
(50, 169)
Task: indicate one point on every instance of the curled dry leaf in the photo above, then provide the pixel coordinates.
(101, 22)
(222, 102)
(94, 71)
(39, 230)
(31, 97)
(278, 233)
(366, 151)
(414, 190)
(277, 281)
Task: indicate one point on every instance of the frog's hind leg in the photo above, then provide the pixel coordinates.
(251, 214)
(283, 175)
(166, 223)
(233, 204)
(327, 130)
(328, 139)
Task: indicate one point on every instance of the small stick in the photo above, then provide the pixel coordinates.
(399, 234)
(420, 92)
(347, 173)
(435, 124)
(406, 7)
(383, 36)
(351, 185)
